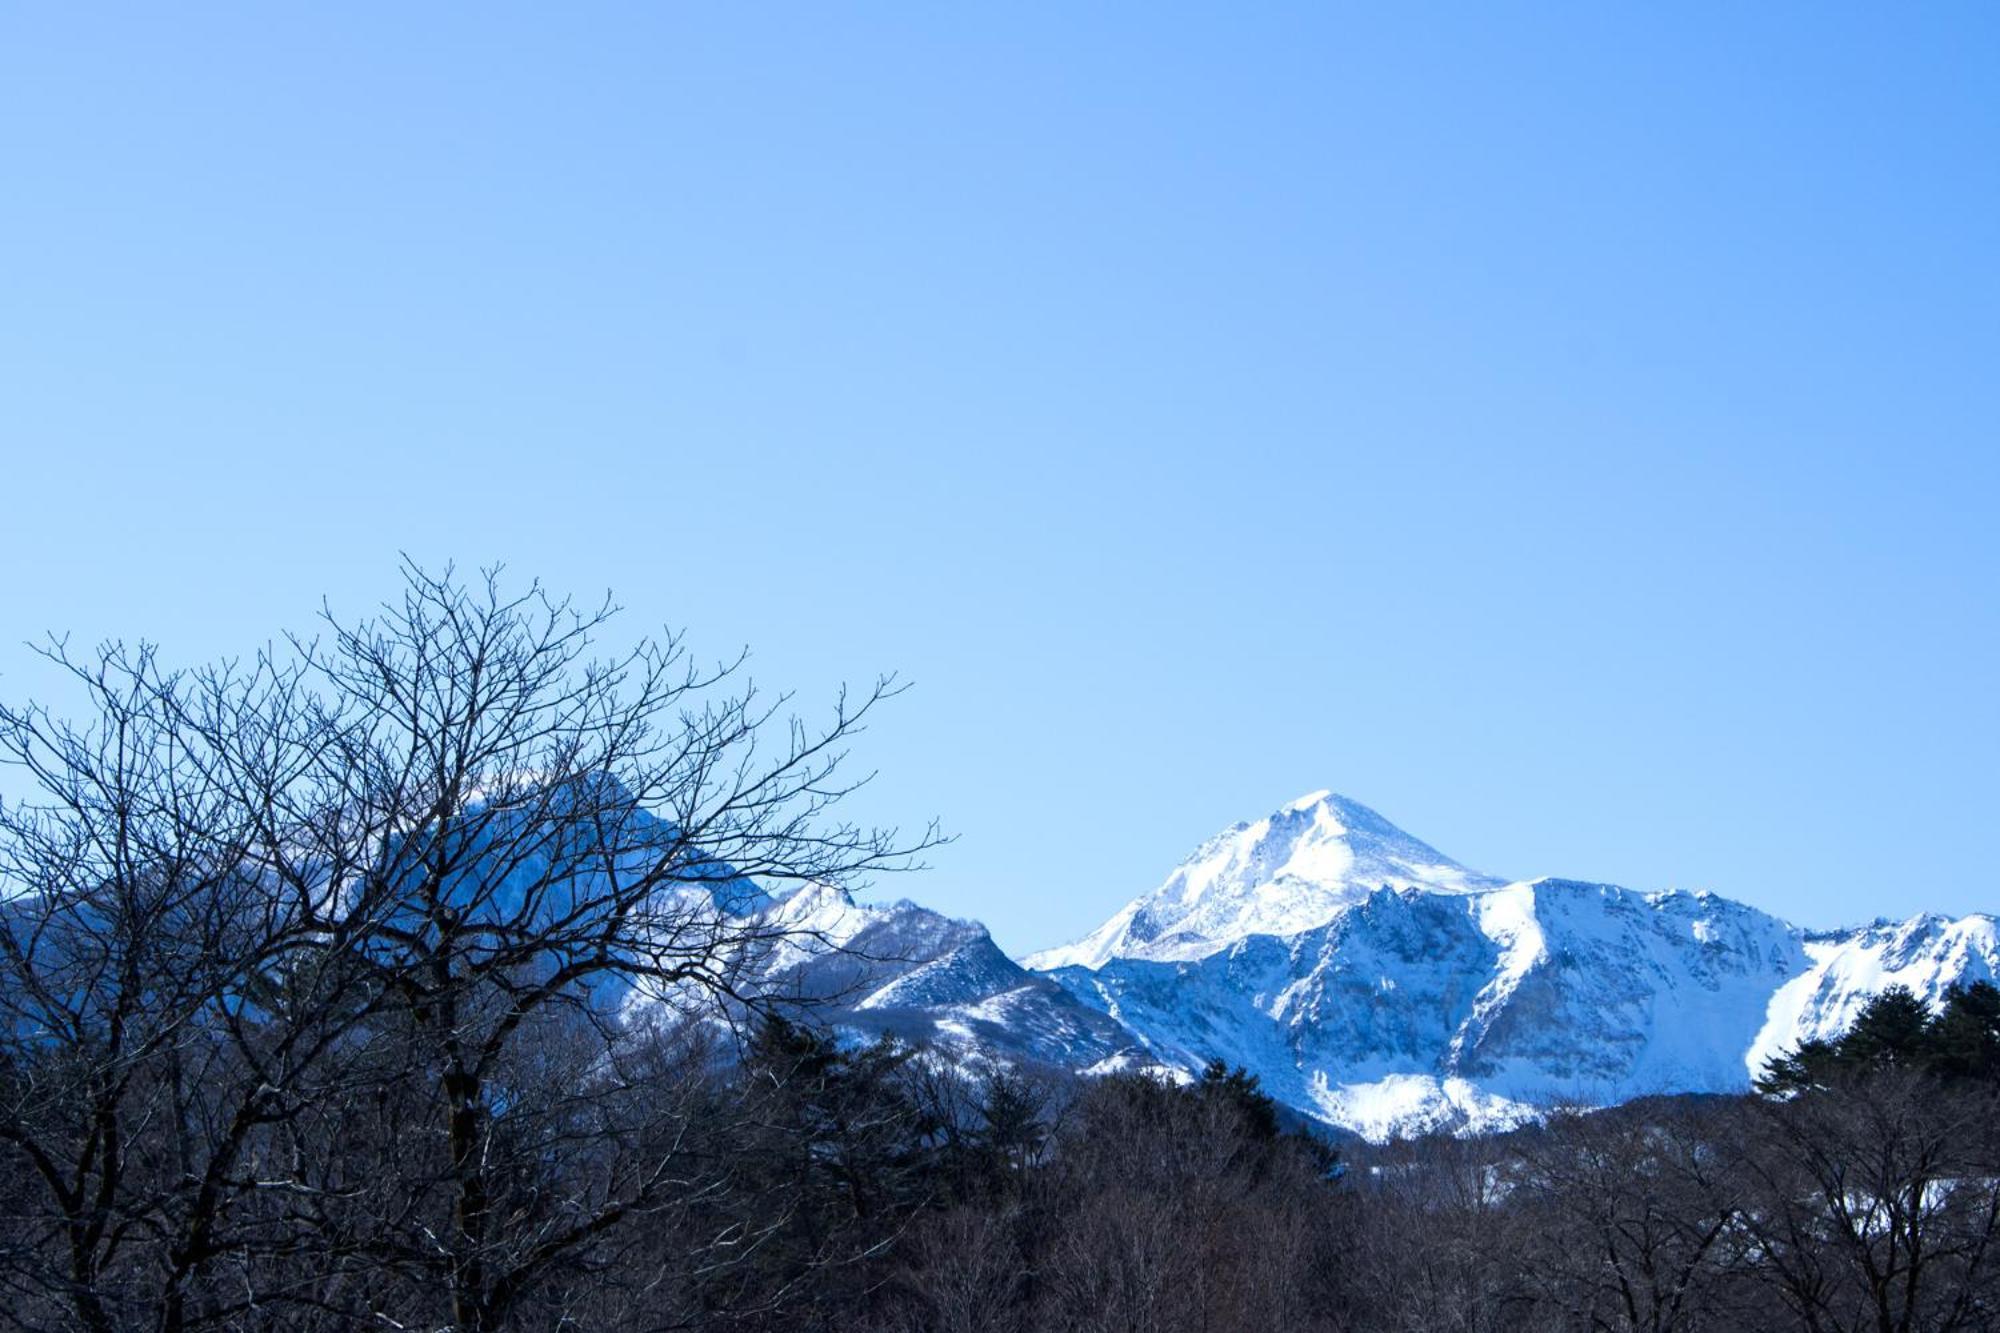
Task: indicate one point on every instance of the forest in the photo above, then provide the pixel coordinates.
(320, 975)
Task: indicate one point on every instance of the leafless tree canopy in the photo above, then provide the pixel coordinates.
(315, 962)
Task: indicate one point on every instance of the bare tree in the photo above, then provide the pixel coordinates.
(131, 938)
(1437, 1236)
(398, 889)
(1179, 1209)
(1641, 1217)
(1875, 1204)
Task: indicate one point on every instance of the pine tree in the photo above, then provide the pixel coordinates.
(1810, 1064)
(1239, 1088)
(1965, 1037)
(1012, 1129)
(1893, 1029)
(1896, 1030)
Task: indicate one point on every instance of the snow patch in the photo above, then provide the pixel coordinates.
(1404, 1104)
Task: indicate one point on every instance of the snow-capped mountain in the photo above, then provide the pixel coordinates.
(1375, 984)
(1290, 871)
(1369, 981)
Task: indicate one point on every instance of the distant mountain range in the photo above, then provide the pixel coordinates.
(1374, 984)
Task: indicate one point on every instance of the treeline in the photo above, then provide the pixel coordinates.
(1896, 1030)
(797, 1183)
(407, 978)
(1863, 1196)
(1869, 1200)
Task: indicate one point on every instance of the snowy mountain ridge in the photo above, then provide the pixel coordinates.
(897, 969)
(1375, 984)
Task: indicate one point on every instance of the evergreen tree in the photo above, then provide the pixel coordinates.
(1965, 1037)
(1011, 1130)
(1893, 1029)
(1896, 1030)
(1239, 1088)
(1808, 1065)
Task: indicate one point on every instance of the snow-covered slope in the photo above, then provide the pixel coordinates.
(1290, 871)
(1434, 997)
(902, 970)
(1926, 953)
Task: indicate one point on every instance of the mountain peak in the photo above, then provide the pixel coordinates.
(1295, 869)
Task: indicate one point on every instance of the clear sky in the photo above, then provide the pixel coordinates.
(1569, 429)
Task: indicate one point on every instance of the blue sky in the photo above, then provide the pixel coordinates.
(1569, 429)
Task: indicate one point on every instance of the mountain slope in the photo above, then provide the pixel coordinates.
(902, 970)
